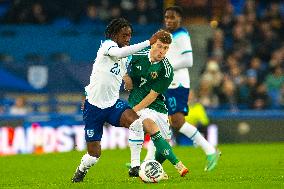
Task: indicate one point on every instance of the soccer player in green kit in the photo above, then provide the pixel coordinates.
(149, 78)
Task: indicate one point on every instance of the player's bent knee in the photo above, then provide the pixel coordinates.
(128, 117)
(150, 126)
(177, 121)
(176, 124)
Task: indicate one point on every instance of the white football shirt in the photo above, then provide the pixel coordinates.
(180, 57)
(109, 68)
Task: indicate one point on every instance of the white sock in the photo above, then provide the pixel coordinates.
(191, 132)
(151, 150)
(136, 139)
(87, 162)
(135, 149)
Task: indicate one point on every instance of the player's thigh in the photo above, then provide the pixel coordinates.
(160, 119)
(177, 120)
(128, 117)
(94, 119)
(121, 114)
(176, 100)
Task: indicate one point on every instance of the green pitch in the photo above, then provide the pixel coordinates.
(240, 166)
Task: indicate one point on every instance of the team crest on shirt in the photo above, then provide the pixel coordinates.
(154, 75)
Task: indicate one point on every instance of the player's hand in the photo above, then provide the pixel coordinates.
(156, 36)
(128, 84)
(135, 108)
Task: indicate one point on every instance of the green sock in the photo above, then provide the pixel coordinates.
(163, 149)
(159, 157)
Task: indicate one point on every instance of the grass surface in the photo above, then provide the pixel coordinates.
(240, 166)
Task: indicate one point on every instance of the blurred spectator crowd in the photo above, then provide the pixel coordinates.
(79, 11)
(20, 104)
(245, 54)
(246, 59)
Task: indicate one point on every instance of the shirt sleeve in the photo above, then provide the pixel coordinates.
(107, 45)
(121, 52)
(184, 57)
(184, 42)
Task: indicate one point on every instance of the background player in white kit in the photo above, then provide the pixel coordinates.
(102, 97)
(180, 57)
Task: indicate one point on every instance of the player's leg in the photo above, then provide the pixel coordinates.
(123, 115)
(163, 149)
(87, 161)
(162, 122)
(93, 118)
(136, 138)
(178, 108)
(129, 119)
(179, 123)
(192, 132)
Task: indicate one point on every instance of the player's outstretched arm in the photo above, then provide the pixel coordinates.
(149, 99)
(121, 52)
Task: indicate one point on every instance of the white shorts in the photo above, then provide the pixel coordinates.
(160, 119)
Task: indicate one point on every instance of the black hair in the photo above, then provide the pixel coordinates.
(115, 26)
(177, 9)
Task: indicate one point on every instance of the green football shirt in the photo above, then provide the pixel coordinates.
(147, 76)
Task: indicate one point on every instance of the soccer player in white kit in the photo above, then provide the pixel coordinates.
(180, 57)
(102, 97)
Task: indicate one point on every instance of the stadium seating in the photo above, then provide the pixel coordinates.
(40, 42)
